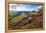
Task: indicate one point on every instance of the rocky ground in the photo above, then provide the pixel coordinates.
(33, 21)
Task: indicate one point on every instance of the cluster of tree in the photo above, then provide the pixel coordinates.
(13, 14)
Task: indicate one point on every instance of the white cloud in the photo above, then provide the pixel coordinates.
(22, 7)
(12, 5)
(19, 7)
(39, 7)
(12, 9)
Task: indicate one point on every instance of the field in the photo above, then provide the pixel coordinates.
(25, 20)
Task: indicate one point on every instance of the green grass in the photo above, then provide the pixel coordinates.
(15, 19)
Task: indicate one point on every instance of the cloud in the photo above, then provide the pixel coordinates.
(22, 7)
(19, 7)
(37, 9)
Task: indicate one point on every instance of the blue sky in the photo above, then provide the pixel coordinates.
(24, 7)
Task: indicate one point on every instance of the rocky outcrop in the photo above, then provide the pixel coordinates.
(30, 19)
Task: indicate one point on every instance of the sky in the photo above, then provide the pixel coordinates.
(24, 7)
